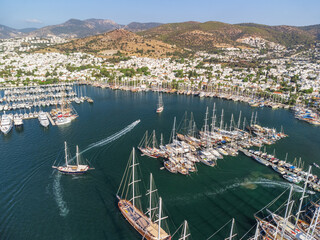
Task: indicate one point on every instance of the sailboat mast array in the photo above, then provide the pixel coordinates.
(144, 224)
(68, 168)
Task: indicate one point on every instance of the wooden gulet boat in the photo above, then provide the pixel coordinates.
(72, 169)
(147, 228)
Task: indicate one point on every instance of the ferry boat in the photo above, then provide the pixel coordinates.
(72, 169)
(127, 203)
(6, 124)
(160, 105)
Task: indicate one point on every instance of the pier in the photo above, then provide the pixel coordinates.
(311, 179)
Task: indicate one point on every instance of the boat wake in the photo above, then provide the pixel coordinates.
(247, 183)
(265, 183)
(57, 191)
(110, 138)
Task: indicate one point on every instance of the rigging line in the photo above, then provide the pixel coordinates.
(272, 202)
(248, 231)
(177, 230)
(219, 229)
(124, 175)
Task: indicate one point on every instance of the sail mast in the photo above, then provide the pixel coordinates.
(151, 190)
(256, 234)
(302, 197)
(221, 121)
(133, 163)
(150, 199)
(230, 237)
(231, 121)
(77, 155)
(206, 122)
(159, 224)
(251, 119)
(286, 213)
(146, 142)
(185, 235)
(213, 117)
(66, 153)
(185, 230)
(174, 129)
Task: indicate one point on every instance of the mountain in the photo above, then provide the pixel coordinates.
(27, 30)
(137, 27)
(312, 29)
(207, 35)
(190, 35)
(7, 32)
(120, 42)
(75, 28)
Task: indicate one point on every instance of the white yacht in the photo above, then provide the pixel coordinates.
(6, 124)
(17, 120)
(63, 120)
(43, 119)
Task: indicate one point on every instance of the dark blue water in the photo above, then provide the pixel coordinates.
(38, 203)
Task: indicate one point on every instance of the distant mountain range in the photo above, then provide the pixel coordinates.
(156, 39)
(75, 28)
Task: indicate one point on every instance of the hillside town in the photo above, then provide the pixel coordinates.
(260, 75)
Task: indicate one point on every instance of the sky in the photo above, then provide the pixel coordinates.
(39, 13)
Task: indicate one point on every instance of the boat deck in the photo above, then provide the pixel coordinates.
(140, 222)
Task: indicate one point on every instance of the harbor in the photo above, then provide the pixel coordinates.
(237, 187)
(24, 103)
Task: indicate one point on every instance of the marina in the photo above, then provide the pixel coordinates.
(27, 103)
(237, 187)
(207, 145)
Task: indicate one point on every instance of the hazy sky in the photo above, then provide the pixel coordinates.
(38, 13)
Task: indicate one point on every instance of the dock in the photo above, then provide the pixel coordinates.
(311, 184)
(26, 118)
(50, 119)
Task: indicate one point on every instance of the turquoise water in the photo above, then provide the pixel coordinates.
(38, 203)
